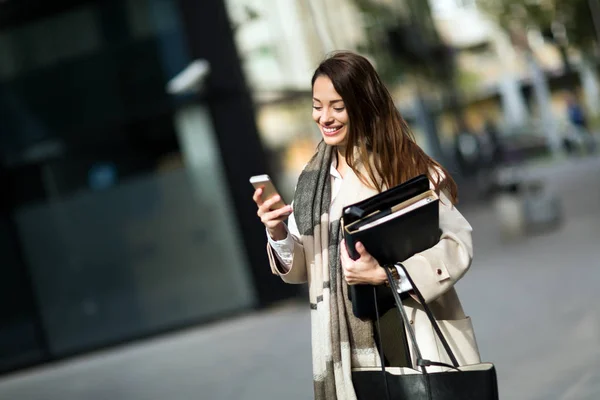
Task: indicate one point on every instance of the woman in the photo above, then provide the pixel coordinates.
(366, 148)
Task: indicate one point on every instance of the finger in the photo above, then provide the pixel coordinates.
(285, 212)
(266, 206)
(348, 269)
(257, 197)
(346, 274)
(269, 203)
(281, 213)
(344, 251)
(362, 251)
(274, 216)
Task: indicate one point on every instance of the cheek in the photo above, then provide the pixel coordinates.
(316, 115)
(344, 118)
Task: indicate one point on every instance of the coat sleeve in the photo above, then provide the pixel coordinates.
(297, 273)
(437, 269)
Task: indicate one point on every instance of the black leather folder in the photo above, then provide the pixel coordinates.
(411, 215)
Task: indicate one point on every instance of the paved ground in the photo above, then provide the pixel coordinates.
(533, 302)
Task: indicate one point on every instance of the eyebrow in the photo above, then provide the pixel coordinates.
(331, 102)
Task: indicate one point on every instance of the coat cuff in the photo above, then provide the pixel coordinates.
(432, 281)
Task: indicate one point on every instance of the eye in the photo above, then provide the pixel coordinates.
(339, 109)
(318, 108)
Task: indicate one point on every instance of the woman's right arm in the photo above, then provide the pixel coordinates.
(284, 248)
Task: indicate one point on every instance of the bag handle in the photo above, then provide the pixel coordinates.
(430, 316)
(421, 362)
(411, 332)
(381, 357)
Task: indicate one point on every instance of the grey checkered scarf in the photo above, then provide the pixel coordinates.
(340, 341)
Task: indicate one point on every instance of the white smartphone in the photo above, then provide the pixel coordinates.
(269, 190)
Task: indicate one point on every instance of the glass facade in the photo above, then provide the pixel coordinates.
(116, 220)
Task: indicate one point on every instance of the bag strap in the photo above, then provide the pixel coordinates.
(407, 327)
(411, 332)
(427, 310)
(381, 356)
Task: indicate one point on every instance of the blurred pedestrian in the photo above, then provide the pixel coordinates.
(580, 136)
(491, 130)
(366, 148)
(576, 112)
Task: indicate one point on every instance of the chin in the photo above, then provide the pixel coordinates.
(333, 141)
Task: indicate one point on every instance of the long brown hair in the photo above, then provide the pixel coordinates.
(376, 127)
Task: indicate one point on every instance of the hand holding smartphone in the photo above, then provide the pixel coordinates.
(269, 190)
(271, 215)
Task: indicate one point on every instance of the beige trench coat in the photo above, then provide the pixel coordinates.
(434, 271)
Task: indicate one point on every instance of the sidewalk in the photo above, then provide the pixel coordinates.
(533, 303)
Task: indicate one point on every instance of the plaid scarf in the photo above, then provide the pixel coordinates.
(340, 341)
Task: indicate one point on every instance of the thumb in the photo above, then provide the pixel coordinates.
(360, 248)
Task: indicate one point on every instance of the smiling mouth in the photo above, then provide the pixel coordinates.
(331, 131)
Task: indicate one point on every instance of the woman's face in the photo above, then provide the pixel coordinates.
(329, 112)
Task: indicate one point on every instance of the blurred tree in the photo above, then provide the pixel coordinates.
(563, 22)
(517, 17)
(402, 38)
(577, 18)
(581, 31)
(377, 19)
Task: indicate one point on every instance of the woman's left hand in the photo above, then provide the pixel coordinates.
(364, 270)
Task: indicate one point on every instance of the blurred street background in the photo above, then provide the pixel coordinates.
(133, 264)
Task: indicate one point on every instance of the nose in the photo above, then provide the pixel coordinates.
(326, 117)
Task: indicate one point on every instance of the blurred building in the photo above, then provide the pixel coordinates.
(282, 42)
(125, 210)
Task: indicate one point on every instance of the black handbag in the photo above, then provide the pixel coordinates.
(470, 382)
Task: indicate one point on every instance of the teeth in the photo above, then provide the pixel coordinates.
(330, 130)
